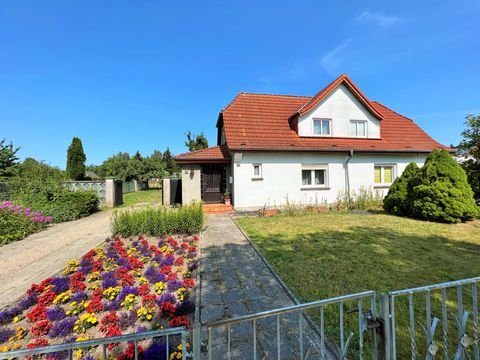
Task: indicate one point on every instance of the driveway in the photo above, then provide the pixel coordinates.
(235, 281)
(45, 253)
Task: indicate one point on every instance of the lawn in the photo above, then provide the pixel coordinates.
(148, 197)
(329, 254)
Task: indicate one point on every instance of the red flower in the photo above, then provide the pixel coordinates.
(178, 261)
(112, 330)
(167, 309)
(179, 321)
(135, 263)
(38, 313)
(98, 265)
(172, 276)
(37, 343)
(143, 289)
(110, 319)
(129, 354)
(47, 298)
(149, 300)
(96, 304)
(40, 328)
(77, 282)
(165, 269)
(188, 283)
(184, 246)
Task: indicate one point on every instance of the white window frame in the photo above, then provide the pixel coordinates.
(382, 173)
(312, 168)
(353, 121)
(321, 127)
(259, 176)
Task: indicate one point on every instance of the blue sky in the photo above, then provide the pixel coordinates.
(136, 75)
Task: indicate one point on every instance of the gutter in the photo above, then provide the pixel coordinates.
(347, 175)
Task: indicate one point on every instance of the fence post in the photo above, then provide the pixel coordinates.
(166, 192)
(387, 328)
(113, 192)
(196, 342)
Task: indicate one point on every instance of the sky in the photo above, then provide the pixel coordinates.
(137, 75)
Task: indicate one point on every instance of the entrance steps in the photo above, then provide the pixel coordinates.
(218, 209)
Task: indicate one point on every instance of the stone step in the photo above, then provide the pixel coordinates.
(218, 209)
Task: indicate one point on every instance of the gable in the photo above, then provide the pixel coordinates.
(341, 107)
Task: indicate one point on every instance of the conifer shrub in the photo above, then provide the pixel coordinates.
(397, 201)
(440, 191)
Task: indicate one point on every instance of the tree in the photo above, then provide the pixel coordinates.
(170, 164)
(470, 148)
(196, 142)
(397, 200)
(440, 190)
(8, 158)
(76, 160)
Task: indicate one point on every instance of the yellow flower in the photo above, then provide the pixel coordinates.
(71, 267)
(63, 297)
(142, 280)
(16, 319)
(163, 248)
(159, 287)
(111, 292)
(4, 348)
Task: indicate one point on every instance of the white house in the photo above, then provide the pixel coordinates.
(305, 149)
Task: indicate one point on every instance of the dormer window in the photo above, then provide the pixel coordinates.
(322, 127)
(358, 128)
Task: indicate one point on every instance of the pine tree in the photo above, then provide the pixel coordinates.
(170, 164)
(196, 142)
(397, 201)
(441, 192)
(8, 158)
(76, 160)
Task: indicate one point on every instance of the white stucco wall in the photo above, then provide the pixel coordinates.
(340, 106)
(191, 180)
(281, 176)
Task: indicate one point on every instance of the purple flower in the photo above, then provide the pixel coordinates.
(60, 284)
(6, 334)
(166, 297)
(184, 308)
(125, 291)
(174, 285)
(127, 319)
(168, 260)
(141, 329)
(109, 280)
(153, 275)
(112, 253)
(156, 351)
(112, 305)
(28, 301)
(88, 357)
(61, 355)
(6, 316)
(63, 327)
(82, 295)
(55, 313)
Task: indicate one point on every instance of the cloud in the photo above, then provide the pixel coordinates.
(333, 59)
(378, 18)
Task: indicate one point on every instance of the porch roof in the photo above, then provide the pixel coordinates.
(213, 155)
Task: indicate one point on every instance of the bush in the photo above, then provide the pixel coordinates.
(397, 200)
(187, 219)
(363, 199)
(17, 222)
(441, 192)
(70, 205)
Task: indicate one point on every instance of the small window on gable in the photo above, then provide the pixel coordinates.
(358, 128)
(383, 174)
(257, 171)
(322, 127)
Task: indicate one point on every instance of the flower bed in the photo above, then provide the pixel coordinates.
(121, 287)
(17, 222)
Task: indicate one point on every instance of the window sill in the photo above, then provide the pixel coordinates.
(315, 188)
(257, 179)
(381, 186)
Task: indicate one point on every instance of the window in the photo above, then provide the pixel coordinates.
(358, 128)
(314, 176)
(257, 171)
(383, 174)
(322, 127)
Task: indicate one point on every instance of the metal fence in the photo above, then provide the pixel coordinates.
(438, 320)
(68, 349)
(296, 333)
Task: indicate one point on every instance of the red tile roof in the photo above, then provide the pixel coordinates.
(260, 122)
(214, 154)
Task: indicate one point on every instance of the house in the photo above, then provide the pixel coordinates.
(304, 149)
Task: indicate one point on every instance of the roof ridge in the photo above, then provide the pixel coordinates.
(199, 150)
(277, 95)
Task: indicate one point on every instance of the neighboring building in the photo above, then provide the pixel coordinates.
(305, 149)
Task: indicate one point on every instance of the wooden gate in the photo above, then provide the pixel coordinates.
(213, 183)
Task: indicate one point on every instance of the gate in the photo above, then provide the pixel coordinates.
(430, 322)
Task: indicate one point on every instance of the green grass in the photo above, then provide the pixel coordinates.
(328, 254)
(148, 197)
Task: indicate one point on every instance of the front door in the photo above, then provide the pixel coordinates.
(213, 183)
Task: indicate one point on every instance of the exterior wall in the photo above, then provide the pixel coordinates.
(282, 180)
(191, 183)
(340, 106)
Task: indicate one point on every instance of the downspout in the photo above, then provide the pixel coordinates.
(347, 175)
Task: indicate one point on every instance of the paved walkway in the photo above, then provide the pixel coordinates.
(234, 282)
(45, 253)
